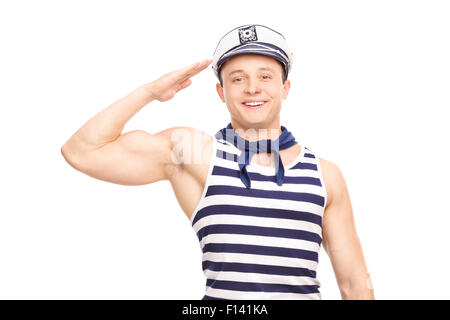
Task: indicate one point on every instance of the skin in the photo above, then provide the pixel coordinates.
(100, 150)
(259, 79)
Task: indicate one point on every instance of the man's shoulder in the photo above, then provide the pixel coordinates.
(329, 166)
(188, 132)
(190, 145)
(188, 136)
(333, 178)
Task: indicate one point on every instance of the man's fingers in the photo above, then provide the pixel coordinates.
(192, 69)
(184, 84)
(189, 71)
(195, 68)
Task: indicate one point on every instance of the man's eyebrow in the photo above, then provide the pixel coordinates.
(266, 69)
(240, 70)
(235, 71)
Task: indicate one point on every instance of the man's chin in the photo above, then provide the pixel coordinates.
(254, 122)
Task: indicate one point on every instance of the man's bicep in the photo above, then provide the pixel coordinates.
(134, 158)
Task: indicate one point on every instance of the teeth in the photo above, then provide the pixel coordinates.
(254, 103)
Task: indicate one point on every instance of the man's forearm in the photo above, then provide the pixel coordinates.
(108, 124)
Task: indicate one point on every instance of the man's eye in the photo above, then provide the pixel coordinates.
(237, 79)
(266, 77)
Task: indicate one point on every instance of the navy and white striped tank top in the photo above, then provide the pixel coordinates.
(262, 242)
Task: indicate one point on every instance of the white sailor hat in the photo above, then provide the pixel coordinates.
(252, 38)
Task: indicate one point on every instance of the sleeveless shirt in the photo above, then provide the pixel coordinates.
(260, 243)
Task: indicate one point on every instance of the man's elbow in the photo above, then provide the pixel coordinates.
(69, 155)
(357, 288)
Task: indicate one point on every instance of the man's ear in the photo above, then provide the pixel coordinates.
(286, 87)
(220, 91)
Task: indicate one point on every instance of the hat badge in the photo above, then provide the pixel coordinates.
(247, 34)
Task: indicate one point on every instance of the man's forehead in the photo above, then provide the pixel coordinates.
(245, 62)
(252, 57)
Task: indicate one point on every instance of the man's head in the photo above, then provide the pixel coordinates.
(250, 79)
(252, 64)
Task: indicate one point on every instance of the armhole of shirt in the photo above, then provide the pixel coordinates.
(322, 181)
(208, 178)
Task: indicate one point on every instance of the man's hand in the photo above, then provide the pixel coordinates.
(167, 86)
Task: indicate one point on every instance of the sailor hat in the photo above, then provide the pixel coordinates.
(256, 39)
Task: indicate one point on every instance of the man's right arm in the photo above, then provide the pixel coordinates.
(101, 150)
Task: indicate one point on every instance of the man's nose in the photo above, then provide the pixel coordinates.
(252, 86)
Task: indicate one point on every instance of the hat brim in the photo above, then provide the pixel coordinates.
(258, 51)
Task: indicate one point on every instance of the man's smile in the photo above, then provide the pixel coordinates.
(254, 104)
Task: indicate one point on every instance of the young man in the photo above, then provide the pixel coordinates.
(260, 203)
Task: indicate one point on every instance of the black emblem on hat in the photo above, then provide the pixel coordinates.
(247, 34)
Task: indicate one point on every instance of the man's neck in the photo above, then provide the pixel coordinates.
(273, 132)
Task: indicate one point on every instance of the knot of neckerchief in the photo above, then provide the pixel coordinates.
(284, 141)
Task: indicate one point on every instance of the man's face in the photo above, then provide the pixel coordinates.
(249, 79)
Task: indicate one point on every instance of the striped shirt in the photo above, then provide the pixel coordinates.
(262, 242)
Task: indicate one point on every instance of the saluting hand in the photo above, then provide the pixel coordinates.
(168, 85)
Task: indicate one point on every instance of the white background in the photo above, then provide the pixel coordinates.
(370, 92)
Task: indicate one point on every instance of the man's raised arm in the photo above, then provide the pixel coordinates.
(101, 150)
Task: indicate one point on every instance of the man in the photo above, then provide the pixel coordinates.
(260, 203)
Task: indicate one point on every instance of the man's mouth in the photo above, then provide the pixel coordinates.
(254, 104)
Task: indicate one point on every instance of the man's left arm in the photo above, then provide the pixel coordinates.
(340, 239)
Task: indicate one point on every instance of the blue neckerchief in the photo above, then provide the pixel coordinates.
(284, 141)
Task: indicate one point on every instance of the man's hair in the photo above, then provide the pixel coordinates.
(283, 73)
